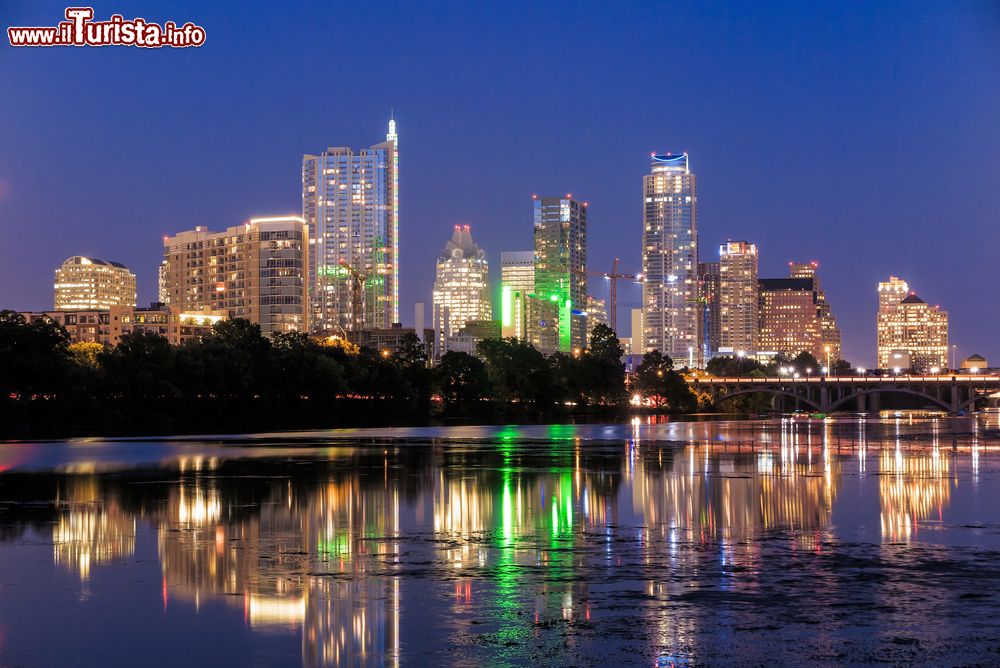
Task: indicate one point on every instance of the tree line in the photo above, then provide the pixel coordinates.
(235, 376)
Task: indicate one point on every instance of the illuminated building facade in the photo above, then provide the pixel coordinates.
(795, 316)
(254, 271)
(708, 299)
(106, 326)
(462, 287)
(89, 283)
(597, 314)
(910, 326)
(350, 202)
(829, 332)
(560, 273)
(517, 281)
(671, 317)
(738, 296)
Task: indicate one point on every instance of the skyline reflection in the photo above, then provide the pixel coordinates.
(507, 550)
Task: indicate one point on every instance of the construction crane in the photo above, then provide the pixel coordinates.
(614, 276)
(358, 279)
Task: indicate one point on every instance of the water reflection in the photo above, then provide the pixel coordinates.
(522, 550)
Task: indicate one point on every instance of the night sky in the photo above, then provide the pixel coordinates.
(863, 135)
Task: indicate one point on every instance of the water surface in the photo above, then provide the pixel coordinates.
(837, 542)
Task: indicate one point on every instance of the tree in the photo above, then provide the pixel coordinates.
(805, 363)
(656, 379)
(603, 375)
(733, 366)
(141, 367)
(232, 361)
(517, 371)
(301, 368)
(841, 368)
(462, 380)
(34, 356)
(86, 353)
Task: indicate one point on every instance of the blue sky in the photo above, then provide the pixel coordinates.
(862, 135)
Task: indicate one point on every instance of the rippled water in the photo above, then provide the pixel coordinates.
(836, 542)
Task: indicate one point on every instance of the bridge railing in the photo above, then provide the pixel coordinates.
(971, 378)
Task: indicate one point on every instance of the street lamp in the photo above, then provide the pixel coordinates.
(896, 370)
(861, 371)
(825, 370)
(935, 369)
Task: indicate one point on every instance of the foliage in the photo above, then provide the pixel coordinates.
(656, 380)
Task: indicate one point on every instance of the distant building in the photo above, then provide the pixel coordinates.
(910, 325)
(977, 362)
(517, 282)
(637, 343)
(671, 317)
(461, 288)
(560, 272)
(350, 203)
(106, 326)
(388, 340)
(795, 316)
(708, 300)
(89, 283)
(829, 332)
(597, 314)
(738, 296)
(254, 271)
(468, 337)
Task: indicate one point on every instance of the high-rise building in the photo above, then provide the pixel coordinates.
(795, 316)
(829, 332)
(738, 292)
(462, 287)
(671, 317)
(255, 271)
(597, 314)
(708, 299)
(910, 329)
(517, 281)
(560, 273)
(350, 202)
(89, 283)
(891, 292)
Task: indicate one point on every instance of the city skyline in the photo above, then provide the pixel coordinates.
(880, 122)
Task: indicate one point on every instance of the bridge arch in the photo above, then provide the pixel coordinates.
(834, 405)
(717, 399)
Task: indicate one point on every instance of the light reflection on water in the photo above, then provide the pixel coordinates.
(787, 541)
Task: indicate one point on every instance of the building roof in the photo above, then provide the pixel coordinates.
(975, 358)
(80, 259)
(461, 246)
(913, 299)
(776, 284)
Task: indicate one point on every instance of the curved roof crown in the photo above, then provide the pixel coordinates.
(81, 259)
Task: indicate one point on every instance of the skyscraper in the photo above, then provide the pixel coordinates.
(670, 258)
(517, 270)
(795, 316)
(910, 329)
(738, 292)
(255, 271)
(462, 287)
(89, 283)
(560, 271)
(829, 332)
(708, 299)
(350, 202)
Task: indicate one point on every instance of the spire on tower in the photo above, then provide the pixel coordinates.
(391, 135)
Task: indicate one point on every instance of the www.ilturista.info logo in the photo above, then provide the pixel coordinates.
(79, 29)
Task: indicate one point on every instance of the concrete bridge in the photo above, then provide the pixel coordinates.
(826, 394)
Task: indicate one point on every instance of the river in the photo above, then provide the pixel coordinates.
(838, 541)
